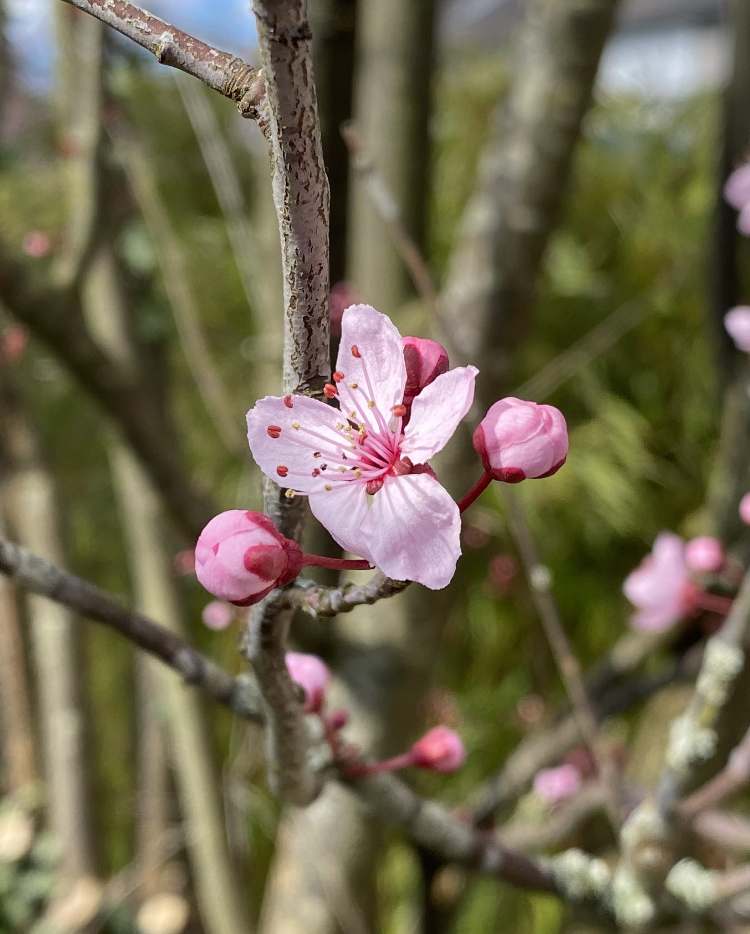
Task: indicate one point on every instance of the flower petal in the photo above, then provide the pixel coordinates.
(436, 412)
(294, 448)
(413, 530)
(342, 510)
(381, 356)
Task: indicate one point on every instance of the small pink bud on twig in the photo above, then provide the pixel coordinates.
(737, 324)
(217, 614)
(312, 675)
(704, 555)
(552, 785)
(519, 440)
(439, 750)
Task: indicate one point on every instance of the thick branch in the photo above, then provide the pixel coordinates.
(45, 579)
(221, 71)
(55, 317)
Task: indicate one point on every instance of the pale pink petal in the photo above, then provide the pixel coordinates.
(413, 530)
(294, 448)
(743, 221)
(436, 412)
(657, 618)
(380, 366)
(737, 187)
(342, 510)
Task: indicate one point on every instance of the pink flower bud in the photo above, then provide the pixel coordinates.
(737, 324)
(704, 555)
(241, 556)
(217, 614)
(184, 562)
(737, 187)
(552, 785)
(13, 341)
(338, 719)
(311, 674)
(745, 508)
(440, 750)
(425, 360)
(518, 440)
(36, 244)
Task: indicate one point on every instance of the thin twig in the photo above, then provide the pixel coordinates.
(389, 212)
(567, 664)
(47, 580)
(693, 737)
(220, 71)
(321, 602)
(732, 778)
(134, 160)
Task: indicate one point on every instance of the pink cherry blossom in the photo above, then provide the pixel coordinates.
(241, 556)
(745, 508)
(704, 555)
(425, 360)
(737, 324)
(217, 615)
(552, 785)
(660, 587)
(440, 750)
(364, 471)
(737, 187)
(36, 243)
(311, 673)
(13, 341)
(517, 440)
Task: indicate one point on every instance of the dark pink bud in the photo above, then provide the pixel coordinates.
(311, 674)
(704, 555)
(517, 440)
(440, 750)
(241, 556)
(338, 719)
(745, 509)
(425, 360)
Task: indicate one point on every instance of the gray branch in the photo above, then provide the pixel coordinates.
(221, 71)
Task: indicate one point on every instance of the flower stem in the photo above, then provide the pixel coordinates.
(336, 564)
(386, 765)
(479, 487)
(715, 603)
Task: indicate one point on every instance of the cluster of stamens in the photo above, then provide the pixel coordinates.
(366, 446)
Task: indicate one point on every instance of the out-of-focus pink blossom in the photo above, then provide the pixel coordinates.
(502, 572)
(217, 614)
(660, 587)
(582, 760)
(341, 297)
(184, 562)
(474, 536)
(13, 341)
(704, 555)
(440, 750)
(36, 244)
(241, 556)
(310, 673)
(517, 440)
(737, 193)
(425, 360)
(552, 785)
(367, 476)
(530, 710)
(745, 508)
(338, 719)
(737, 324)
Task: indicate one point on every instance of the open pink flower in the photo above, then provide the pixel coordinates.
(517, 440)
(737, 324)
(553, 785)
(440, 750)
(241, 556)
(312, 674)
(704, 555)
(366, 473)
(660, 587)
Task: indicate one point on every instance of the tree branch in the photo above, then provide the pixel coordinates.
(47, 580)
(220, 71)
(322, 602)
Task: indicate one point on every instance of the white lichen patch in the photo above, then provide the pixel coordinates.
(689, 742)
(631, 904)
(692, 885)
(721, 665)
(580, 875)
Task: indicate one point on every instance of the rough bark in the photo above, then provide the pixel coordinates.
(394, 66)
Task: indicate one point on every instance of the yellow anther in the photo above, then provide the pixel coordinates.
(328, 487)
(295, 425)
(290, 494)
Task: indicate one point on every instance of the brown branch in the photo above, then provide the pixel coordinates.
(47, 580)
(386, 206)
(301, 196)
(55, 317)
(322, 602)
(220, 71)
(566, 661)
(733, 778)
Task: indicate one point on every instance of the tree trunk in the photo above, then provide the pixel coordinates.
(392, 97)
